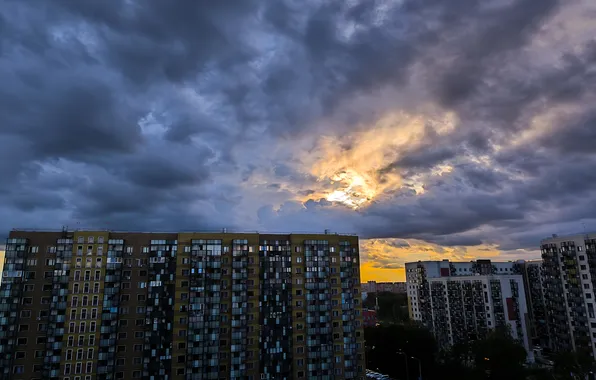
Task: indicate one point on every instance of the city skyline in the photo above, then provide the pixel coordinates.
(459, 130)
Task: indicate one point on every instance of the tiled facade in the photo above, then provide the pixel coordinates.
(82, 305)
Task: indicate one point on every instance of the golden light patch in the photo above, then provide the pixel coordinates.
(353, 170)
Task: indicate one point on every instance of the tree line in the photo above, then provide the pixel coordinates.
(397, 350)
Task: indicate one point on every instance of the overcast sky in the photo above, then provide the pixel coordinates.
(457, 128)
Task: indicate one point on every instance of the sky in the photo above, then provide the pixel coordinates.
(432, 129)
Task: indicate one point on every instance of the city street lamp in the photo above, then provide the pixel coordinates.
(419, 367)
(406, 358)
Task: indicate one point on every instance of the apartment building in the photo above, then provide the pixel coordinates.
(569, 279)
(82, 305)
(378, 287)
(461, 302)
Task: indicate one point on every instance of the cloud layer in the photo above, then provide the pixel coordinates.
(460, 125)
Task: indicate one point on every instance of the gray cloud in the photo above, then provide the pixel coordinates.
(139, 115)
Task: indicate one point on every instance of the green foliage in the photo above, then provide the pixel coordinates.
(569, 365)
(393, 308)
(498, 356)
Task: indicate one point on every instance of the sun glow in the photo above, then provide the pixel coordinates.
(355, 189)
(356, 169)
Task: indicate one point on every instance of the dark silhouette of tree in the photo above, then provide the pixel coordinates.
(384, 343)
(499, 356)
(571, 365)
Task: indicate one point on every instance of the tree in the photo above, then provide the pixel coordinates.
(569, 365)
(499, 356)
(384, 343)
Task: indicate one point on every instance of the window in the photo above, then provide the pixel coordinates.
(86, 287)
(89, 367)
(71, 327)
(298, 270)
(80, 354)
(138, 347)
(34, 249)
(121, 349)
(82, 327)
(122, 335)
(140, 322)
(125, 298)
(586, 286)
(582, 267)
(70, 341)
(31, 262)
(141, 310)
(91, 341)
(22, 341)
(100, 240)
(18, 369)
(25, 313)
(67, 369)
(78, 367)
(141, 297)
(582, 257)
(68, 355)
(85, 301)
(126, 285)
(30, 275)
(20, 355)
(97, 275)
(136, 374)
(92, 326)
(120, 362)
(95, 301)
(96, 287)
(139, 334)
(75, 287)
(90, 240)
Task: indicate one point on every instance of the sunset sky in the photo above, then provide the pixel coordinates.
(433, 129)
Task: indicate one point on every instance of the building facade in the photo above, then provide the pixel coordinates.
(82, 305)
(461, 302)
(370, 318)
(569, 279)
(378, 287)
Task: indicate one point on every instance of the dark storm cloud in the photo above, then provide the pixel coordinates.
(140, 115)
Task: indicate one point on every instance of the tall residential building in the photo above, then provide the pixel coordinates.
(82, 305)
(569, 279)
(531, 271)
(460, 302)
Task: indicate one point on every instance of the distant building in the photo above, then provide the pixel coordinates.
(463, 301)
(370, 318)
(378, 287)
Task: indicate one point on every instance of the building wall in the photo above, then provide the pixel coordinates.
(569, 278)
(463, 301)
(175, 305)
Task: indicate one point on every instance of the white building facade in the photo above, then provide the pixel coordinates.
(461, 302)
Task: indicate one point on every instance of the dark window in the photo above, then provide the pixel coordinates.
(22, 341)
(140, 322)
(20, 355)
